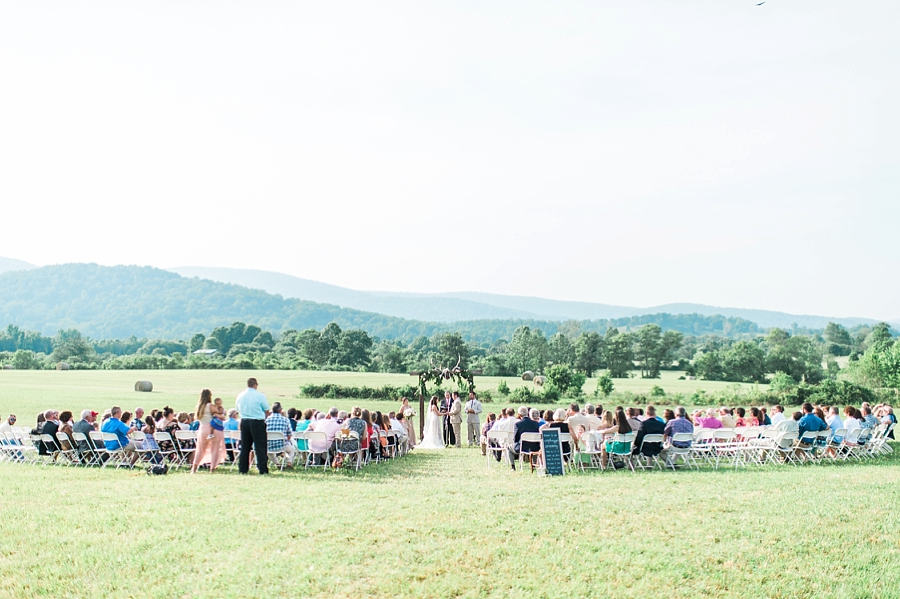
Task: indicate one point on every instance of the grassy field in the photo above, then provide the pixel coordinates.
(26, 392)
(440, 524)
(434, 524)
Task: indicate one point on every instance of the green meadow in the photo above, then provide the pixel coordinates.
(433, 524)
(27, 392)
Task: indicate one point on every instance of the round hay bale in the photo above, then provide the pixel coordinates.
(145, 386)
(8, 367)
(540, 380)
(527, 375)
(62, 366)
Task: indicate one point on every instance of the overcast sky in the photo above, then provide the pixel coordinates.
(632, 153)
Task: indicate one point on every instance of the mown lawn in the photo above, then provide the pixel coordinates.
(25, 393)
(443, 525)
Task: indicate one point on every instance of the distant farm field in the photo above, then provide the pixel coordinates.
(29, 391)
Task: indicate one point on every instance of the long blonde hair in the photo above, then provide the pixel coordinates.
(205, 400)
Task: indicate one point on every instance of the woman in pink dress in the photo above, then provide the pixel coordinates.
(210, 442)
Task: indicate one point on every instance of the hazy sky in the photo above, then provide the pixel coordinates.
(626, 152)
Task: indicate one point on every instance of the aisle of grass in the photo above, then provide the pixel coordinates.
(442, 525)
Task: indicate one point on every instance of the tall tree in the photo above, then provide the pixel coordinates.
(619, 354)
(589, 352)
(560, 350)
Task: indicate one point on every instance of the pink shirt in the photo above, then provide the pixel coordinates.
(709, 422)
(330, 427)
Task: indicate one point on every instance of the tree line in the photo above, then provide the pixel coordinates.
(646, 351)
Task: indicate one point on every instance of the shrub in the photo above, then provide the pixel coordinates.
(604, 386)
(331, 391)
(657, 391)
(503, 388)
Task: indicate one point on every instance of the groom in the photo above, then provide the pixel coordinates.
(446, 405)
(456, 418)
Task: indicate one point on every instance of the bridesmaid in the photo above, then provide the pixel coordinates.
(210, 442)
(408, 423)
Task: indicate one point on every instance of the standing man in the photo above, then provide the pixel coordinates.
(253, 408)
(445, 410)
(473, 420)
(456, 418)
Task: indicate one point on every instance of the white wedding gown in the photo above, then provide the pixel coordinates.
(432, 437)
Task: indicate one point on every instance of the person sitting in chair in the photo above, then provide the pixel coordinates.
(650, 426)
(524, 425)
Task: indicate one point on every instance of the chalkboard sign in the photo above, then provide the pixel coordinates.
(553, 460)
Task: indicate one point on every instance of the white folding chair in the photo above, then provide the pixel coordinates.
(118, 454)
(317, 438)
(349, 447)
(590, 450)
(622, 445)
(649, 461)
(496, 444)
(67, 451)
(167, 448)
(686, 454)
(277, 456)
(186, 444)
(534, 457)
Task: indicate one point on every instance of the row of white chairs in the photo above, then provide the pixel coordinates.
(710, 447)
(177, 449)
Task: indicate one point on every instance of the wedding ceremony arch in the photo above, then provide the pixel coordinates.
(438, 374)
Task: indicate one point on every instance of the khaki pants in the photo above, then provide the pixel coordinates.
(474, 432)
(456, 426)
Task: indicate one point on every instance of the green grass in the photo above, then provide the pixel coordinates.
(443, 525)
(434, 524)
(25, 393)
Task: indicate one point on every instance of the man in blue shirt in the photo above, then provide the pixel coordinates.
(253, 408)
(121, 430)
(809, 421)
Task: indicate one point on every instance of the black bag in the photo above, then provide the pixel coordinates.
(158, 469)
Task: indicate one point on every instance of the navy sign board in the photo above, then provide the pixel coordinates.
(553, 458)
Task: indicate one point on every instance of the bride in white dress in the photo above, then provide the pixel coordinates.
(432, 437)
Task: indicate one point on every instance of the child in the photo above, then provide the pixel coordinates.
(218, 414)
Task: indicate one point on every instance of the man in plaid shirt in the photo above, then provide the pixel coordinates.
(278, 423)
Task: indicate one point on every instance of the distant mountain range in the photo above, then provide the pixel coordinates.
(108, 302)
(121, 301)
(464, 306)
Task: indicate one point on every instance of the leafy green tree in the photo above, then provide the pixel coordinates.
(744, 362)
(605, 385)
(798, 356)
(70, 345)
(560, 350)
(353, 349)
(561, 376)
(25, 360)
(503, 388)
(589, 352)
(709, 365)
(527, 350)
(837, 339)
(452, 348)
(264, 338)
(196, 342)
(619, 354)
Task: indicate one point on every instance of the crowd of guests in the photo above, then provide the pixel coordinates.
(209, 448)
(620, 421)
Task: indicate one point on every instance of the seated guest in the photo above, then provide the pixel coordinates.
(485, 429)
(293, 416)
(633, 422)
(65, 427)
(725, 417)
(559, 422)
(399, 427)
(834, 422)
(777, 414)
(328, 425)
(650, 426)
(888, 418)
(49, 426)
(622, 427)
(851, 422)
(302, 426)
(809, 421)
(7, 425)
(868, 420)
(710, 420)
(591, 413)
(357, 425)
(184, 421)
(528, 423)
(680, 424)
(741, 420)
(755, 418)
(231, 424)
(668, 416)
(114, 425)
(764, 419)
(139, 419)
(149, 443)
(85, 426)
(277, 422)
(546, 418)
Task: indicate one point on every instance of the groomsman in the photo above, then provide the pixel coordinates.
(456, 418)
(473, 421)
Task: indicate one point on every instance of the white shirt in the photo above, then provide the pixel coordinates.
(851, 423)
(397, 426)
(507, 424)
(777, 417)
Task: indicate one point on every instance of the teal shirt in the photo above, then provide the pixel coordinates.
(252, 404)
